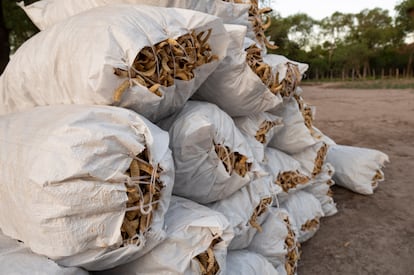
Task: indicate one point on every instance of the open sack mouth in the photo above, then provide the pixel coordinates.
(233, 161)
(144, 192)
(160, 65)
(207, 260)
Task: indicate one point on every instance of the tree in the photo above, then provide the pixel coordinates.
(291, 34)
(4, 43)
(405, 22)
(334, 29)
(15, 29)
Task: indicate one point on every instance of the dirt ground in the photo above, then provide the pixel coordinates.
(369, 234)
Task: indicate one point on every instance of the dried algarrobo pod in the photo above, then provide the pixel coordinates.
(320, 159)
(144, 191)
(258, 211)
(232, 161)
(290, 179)
(293, 248)
(379, 176)
(207, 260)
(261, 69)
(307, 115)
(256, 21)
(159, 65)
(310, 225)
(291, 80)
(264, 128)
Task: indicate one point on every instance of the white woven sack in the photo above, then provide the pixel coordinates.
(73, 61)
(240, 209)
(46, 13)
(280, 64)
(356, 168)
(303, 207)
(191, 228)
(18, 259)
(63, 185)
(200, 174)
(294, 137)
(258, 137)
(320, 187)
(243, 262)
(308, 159)
(322, 137)
(233, 86)
(277, 162)
(271, 243)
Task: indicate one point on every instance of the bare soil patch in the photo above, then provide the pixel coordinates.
(370, 234)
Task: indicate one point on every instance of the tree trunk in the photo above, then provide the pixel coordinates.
(410, 62)
(4, 42)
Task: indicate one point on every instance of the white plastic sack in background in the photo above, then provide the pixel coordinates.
(305, 211)
(233, 86)
(244, 262)
(246, 209)
(258, 129)
(62, 185)
(200, 174)
(73, 61)
(191, 230)
(278, 242)
(18, 259)
(294, 137)
(312, 159)
(45, 13)
(320, 187)
(357, 169)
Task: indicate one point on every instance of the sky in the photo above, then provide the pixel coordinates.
(324, 8)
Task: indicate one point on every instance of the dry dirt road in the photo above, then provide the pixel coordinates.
(370, 234)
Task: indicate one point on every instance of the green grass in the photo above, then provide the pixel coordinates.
(365, 84)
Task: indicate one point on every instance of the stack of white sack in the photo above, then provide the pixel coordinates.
(212, 158)
(144, 58)
(18, 259)
(357, 169)
(306, 212)
(86, 186)
(320, 187)
(196, 243)
(278, 242)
